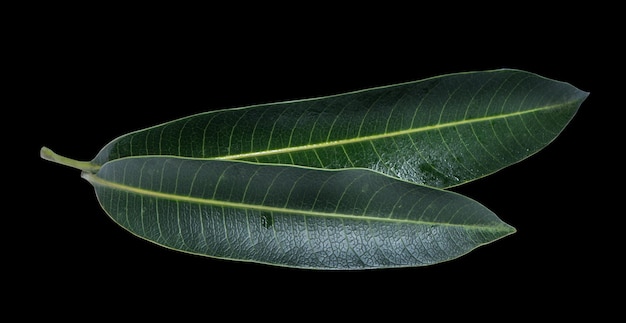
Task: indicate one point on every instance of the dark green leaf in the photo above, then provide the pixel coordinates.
(191, 184)
(442, 131)
(291, 216)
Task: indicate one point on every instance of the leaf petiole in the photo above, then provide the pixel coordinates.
(48, 154)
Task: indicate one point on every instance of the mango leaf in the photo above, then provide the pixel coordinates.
(442, 131)
(288, 215)
(211, 183)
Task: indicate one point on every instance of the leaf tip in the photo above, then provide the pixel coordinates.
(585, 94)
(505, 229)
(510, 230)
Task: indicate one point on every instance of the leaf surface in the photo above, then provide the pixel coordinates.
(291, 216)
(442, 131)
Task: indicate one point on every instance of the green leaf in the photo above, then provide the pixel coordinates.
(442, 131)
(349, 194)
(291, 216)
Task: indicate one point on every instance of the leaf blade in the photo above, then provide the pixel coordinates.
(442, 131)
(291, 216)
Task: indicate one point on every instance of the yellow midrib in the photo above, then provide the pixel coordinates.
(287, 150)
(96, 180)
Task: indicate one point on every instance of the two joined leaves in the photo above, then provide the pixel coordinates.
(210, 184)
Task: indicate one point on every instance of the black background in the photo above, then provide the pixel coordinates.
(85, 79)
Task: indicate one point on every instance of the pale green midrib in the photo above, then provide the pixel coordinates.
(95, 180)
(287, 150)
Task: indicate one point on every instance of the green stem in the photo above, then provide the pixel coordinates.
(50, 155)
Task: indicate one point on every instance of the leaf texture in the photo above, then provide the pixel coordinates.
(441, 132)
(291, 216)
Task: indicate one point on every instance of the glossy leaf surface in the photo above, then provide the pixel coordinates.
(291, 216)
(442, 131)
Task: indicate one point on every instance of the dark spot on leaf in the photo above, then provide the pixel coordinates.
(267, 220)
